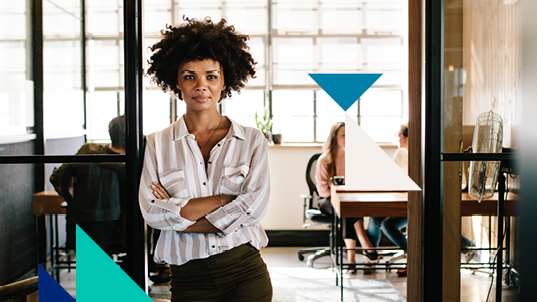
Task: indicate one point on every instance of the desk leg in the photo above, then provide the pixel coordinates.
(499, 260)
(339, 249)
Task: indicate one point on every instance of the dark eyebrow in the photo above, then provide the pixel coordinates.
(208, 71)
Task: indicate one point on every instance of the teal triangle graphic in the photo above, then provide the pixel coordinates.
(49, 290)
(101, 279)
(345, 88)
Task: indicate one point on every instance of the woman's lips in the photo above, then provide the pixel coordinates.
(201, 98)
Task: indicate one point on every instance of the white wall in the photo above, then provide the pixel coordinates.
(288, 180)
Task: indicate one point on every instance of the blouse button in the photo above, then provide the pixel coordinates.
(213, 246)
(204, 183)
(218, 145)
(209, 162)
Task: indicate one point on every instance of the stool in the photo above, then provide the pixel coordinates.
(49, 203)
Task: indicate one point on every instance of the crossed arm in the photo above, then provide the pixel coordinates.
(196, 209)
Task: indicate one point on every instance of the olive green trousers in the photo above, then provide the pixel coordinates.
(237, 275)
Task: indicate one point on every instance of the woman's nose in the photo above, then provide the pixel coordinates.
(201, 85)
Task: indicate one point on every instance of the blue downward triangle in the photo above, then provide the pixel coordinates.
(345, 88)
(49, 290)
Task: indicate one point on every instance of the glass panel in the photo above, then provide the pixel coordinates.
(248, 17)
(294, 17)
(292, 60)
(347, 13)
(382, 103)
(326, 106)
(105, 56)
(295, 129)
(80, 185)
(63, 99)
(482, 73)
(386, 17)
(293, 113)
(381, 129)
(257, 49)
(62, 64)
(383, 54)
(102, 107)
(61, 18)
(292, 102)
(156, 16)
(156, 111)
(242, 107)
(12, 20)
(197, 10)
(323, 126)
(18, 235)
(339, 54)
(103, 17)
(16, 91)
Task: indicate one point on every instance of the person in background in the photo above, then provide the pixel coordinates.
(332, 163)
(391, 226)
(98, 191)
(205, 179)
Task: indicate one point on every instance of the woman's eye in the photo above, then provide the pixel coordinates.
(211, 77)
(188, 77)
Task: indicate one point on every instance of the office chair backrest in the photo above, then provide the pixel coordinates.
(310, 178)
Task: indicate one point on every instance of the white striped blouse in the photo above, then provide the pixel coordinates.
(237, 165)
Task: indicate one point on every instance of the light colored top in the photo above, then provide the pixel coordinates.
(400, 157)
(237, 165)
(321, 174)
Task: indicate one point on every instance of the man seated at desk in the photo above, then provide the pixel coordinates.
(95, 191)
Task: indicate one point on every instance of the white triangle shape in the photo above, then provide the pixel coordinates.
(368, 167)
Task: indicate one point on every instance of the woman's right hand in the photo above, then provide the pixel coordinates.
(158, 191)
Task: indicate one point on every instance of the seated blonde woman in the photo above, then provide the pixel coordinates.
(332, 163)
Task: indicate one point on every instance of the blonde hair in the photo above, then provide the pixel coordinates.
(330, 148)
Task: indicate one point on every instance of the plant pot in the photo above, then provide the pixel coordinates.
(277, 139)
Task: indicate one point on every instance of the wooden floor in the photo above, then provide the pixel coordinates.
(474, 285)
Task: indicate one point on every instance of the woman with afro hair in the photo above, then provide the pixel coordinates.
(205, 180)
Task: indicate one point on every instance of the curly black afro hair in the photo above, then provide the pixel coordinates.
(198, 40)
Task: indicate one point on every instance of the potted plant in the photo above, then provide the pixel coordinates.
(264, 123)
(276, 133)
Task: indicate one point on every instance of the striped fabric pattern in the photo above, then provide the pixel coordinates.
(238, 165)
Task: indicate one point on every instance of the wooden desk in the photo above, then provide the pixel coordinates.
(354, 203)
(48, 203)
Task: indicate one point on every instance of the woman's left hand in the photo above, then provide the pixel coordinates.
(159, 191)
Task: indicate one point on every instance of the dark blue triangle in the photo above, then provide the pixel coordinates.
(345, 88)
(49, 290)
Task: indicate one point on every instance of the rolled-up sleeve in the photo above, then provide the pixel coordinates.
(163, 214)
(251, 204)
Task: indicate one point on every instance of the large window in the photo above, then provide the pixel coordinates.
(16, 91)
(288, 39)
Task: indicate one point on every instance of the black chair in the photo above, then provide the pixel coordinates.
(313, 214)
